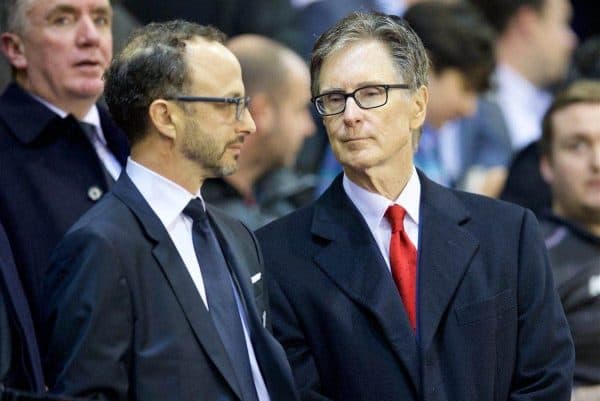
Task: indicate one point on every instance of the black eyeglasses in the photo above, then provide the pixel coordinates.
(366, 97)
(241, 103)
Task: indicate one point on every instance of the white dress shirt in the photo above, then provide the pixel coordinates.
(523, 106)
(99, 140)
(167, 199)
(373, 206)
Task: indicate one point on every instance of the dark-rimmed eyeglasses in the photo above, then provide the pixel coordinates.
(365, 97)
(241, 103)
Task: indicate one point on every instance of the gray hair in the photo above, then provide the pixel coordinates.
(150, 66)
(406, 49)
(12, 15)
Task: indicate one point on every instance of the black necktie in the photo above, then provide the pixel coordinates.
(90, 131)
(220, 296)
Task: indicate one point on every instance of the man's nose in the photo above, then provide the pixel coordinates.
(353, 113)
(246, 123)
(87, 31)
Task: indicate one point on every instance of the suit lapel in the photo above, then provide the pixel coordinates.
(269, 354)
(445, 251)
(178, 278)
(352, 260)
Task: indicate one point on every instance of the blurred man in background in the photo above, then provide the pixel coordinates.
(570, 148)
(534, 46)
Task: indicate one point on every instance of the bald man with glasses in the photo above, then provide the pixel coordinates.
(154, 295)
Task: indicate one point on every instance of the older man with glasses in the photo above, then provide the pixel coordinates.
(153, 294)
(389, 286)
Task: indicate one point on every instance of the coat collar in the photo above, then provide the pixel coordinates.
(28, 120)
(26, 117)
(445, 252)
(353, 261)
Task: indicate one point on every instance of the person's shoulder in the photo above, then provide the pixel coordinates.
(108, 217)
(298, 220)
(487, 211)
(473, 204)
(226, 220)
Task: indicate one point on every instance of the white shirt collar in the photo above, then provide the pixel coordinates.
(522, 103)
(166, 198)
(92, 117)
(373, 206)
(510, 82)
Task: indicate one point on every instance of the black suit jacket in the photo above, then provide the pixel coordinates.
(126, 320)
(490, 325)
(47, 169)
(19, 356)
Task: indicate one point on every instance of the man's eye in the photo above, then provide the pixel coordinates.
(102, 21)
(334, 98)
(578, 146)
(62, 20)
(370, 92)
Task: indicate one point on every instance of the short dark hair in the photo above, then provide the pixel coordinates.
(582, 91)
(150, 66)
(406, 49)
(586, 60)
(455, 36)
(499, 12)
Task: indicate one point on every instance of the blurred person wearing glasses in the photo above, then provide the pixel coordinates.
(390, 286)
(153, 294)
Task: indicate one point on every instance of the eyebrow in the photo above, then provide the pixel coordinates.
(357, 86)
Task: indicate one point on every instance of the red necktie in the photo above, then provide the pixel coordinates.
(403, 261)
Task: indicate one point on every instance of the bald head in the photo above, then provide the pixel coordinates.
(278, 81)
(265, 63)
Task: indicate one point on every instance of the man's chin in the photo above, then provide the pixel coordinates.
(91, 89)
(227, 170)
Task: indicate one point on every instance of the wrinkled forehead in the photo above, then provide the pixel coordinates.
(357, 63)
(27, 7)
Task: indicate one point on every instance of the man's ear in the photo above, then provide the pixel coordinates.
(419, 104)
(546, 169)
(164, 117)
(14, 50)
(263, 111)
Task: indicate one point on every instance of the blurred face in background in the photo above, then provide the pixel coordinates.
(292, 122)
(450, 97)
(554, 41)
(573, 166)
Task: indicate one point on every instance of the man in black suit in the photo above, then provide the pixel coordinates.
(20, 365)
(51, 170)
(391, 287)
(153, 295)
